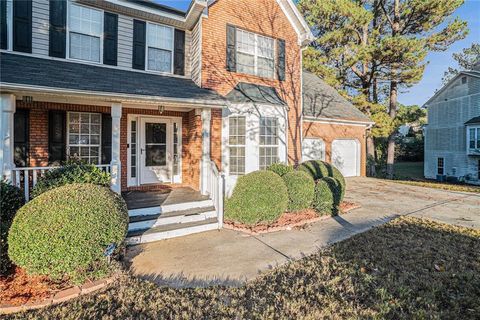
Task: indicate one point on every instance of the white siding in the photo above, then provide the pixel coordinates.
(125, 41)
(196, 53)
(40, 26)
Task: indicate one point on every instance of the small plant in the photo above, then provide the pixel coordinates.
(280, 168)
(323, 200)
(260, 196)
(11, 199)
(71, 172)
(301, 188)
(318, 169)
(65, 232)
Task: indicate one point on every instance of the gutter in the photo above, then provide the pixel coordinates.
(368, 124)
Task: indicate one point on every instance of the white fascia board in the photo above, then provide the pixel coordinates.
(339, 121)
(305, 35)
(138, 7)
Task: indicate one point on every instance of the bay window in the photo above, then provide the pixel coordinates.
(474, 138)
(236, 144)
(160, 48)
(255, 54)
(85, 33)
(268, 141)
(84, 131)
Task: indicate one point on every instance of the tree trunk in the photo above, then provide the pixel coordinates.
(391, 139)
(371, 160)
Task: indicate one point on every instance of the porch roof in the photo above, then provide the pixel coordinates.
(22, 70)
(475, 120)
(253, 93)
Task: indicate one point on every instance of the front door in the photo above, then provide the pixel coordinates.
(155, 150)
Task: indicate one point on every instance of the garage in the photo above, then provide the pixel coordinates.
(346, 156)
(313, 149)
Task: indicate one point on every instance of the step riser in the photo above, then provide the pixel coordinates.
(142, 225)
(170, 208)
(170, 234)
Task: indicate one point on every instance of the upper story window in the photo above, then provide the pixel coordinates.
(255, 54)
(85, 33)
(160, 48)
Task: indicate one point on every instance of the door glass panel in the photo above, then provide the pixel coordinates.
(155, 133)
(156, 155)
(155, 144)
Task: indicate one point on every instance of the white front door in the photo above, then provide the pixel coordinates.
(346, 157)
(156, 148)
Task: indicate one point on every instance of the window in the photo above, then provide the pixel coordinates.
(441, 166)
(464, 80)
(160, 48)
(236, 142)
(133, 150)
(255, 54)
(268, 141)
(474, 138)
(86, 29)
(84, 130)
(478, 170)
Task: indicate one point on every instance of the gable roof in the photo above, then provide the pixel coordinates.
(254, 93)
(21, 71)
(322, 101)
(470, 73)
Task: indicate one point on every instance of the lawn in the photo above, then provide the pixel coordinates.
(409, 170)
(408, 268)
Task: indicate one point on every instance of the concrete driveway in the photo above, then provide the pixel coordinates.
(231, 258)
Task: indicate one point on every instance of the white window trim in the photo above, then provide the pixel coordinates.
(67, 49)
(256, 54)
(147, 46)
(79, 145)
(244, 146)
(477, 131)
(260, 145)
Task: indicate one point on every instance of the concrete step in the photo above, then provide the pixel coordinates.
(187, 212)
(170, 231)
(169, 208)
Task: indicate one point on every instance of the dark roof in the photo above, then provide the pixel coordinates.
(158, 6)
(322, 101)
(473, 120)
(249, 92)
(26, 70)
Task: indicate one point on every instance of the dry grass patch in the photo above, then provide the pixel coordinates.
(408, 268)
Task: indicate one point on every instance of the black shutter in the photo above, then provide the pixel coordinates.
(20, 137)
(57, 137)
(231, 48)
(106, 138)
(22, 26)
(281, 60)
(139, 39)
(110, 43)
(3, 25)
(58, 29)
(179, 53)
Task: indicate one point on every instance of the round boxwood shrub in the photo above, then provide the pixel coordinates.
(71, 172)
(260, 196)
(300, 188)
(280, 168)
(11, 199)
(318, 169)
(323, 199)
(65, 231)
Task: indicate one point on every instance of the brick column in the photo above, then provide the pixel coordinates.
(6, 136)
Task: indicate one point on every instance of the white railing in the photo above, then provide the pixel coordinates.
(26, 178)
(216, 189)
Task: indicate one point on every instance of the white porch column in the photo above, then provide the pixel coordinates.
(206, 120)
(7, 110)
(116, 165)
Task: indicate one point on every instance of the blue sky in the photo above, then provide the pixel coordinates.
(438, 61)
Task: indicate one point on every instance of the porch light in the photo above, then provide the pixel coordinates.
(161, 109)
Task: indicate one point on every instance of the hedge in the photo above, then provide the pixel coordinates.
(11, 199)
(300, 188)
(318, 169)
(64, 232)
(323, 200)
(260, 196)
(280, 168)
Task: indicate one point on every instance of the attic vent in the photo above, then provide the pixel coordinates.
(464, 80)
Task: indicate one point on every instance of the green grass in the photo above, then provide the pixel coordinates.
(406, 269)
(409, 170)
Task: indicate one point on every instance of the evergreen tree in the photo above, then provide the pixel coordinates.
(466, 60)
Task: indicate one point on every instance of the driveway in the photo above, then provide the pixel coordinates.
(230, 258)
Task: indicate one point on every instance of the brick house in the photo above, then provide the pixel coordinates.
(175, 105)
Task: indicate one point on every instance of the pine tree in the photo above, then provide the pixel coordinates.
(466, 60)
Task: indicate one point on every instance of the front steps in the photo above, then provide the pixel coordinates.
(169, 221)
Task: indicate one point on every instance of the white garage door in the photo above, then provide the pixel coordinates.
(346, 157)
(313, 149)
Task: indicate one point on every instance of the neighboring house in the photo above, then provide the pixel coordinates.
(160, 98)
(452, 136)
(333, 129)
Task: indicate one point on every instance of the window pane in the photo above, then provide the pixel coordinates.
(84, 47)
(85, 20)
(265, 47)
(265, 67)
(245, 42)
(156, 155)
(160, 37)
(237, 145)
(245, 63)
(159, 60)
(472, 139)
(478, 138)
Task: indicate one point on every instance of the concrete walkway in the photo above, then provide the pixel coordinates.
(231, 258)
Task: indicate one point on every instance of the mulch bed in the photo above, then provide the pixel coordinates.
(287, 221)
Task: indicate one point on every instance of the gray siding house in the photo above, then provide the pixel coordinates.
(452, 136)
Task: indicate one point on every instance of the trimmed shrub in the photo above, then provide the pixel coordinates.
(260, 196)
(300, 188)
(318, 169)
(65, 231)
(323, 200)
(280, 168)
(71, 172)
(11, 199)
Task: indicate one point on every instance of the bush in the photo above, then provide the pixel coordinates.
(260, 196)
(11, 199)
(318, 169)
(72, 172)
(280, 168)
(323, 200)
(301, 188)
(65, 231)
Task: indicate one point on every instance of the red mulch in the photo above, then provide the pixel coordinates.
(19, 288)
(346, 206)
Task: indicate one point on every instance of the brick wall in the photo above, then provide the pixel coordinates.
(262, 17)
(329, 132)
